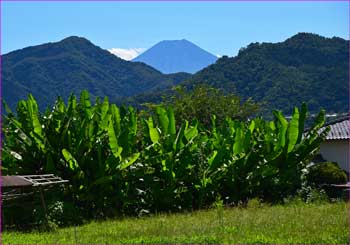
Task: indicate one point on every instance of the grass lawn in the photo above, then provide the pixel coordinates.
(293, 223)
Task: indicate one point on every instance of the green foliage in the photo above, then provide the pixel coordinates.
(91, 146)
(118, 162)
(320, 177)
(204, 101)
(326, 173)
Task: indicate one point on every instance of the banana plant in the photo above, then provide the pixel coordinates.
(119, 161)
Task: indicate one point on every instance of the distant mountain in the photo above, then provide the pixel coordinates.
(176, 56)
(305, 67)
(60, 68)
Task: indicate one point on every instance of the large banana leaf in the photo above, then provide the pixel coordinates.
(153, 132)
(73, 164)
(282, 129)
(163, 119)
(115, 117)
(178, 143)
(104, 116)
(86, 103)
(302, 118)
(128, 161)
(172, 122)
(191, 131)
(113, 142)
(238, 145)
(293, 130)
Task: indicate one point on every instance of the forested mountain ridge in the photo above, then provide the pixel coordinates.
(71, 65)
(305, 67)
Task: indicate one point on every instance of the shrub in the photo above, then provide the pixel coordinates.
(326, 173)
(323, 174)
(204, 101)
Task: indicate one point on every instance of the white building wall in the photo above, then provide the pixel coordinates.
(336, 151)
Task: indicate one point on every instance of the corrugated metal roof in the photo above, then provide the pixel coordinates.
(14, 181)
(339, 130)
(30, 180)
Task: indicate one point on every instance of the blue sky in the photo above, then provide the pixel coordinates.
(221, 28)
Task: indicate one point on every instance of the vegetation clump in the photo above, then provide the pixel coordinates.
(118, 162)
(326, 173)
(323, 175)
(203, 101)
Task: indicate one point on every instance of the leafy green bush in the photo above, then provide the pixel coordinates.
(202, 102)
(322, 175)
(326, 173)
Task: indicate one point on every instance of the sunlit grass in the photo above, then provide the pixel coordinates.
(294, 223)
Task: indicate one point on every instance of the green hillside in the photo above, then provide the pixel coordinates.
(74, 64)
(305, 67)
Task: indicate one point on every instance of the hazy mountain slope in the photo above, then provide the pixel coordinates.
(176, 56)
(71, 65)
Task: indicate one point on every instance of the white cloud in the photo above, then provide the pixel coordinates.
(126, 54)
(218, 56)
